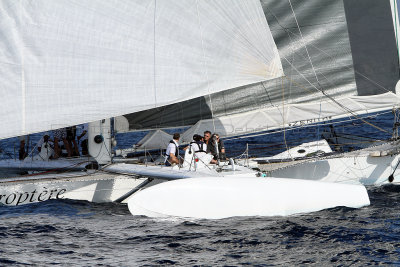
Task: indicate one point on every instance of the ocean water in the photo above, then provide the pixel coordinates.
(80, 233)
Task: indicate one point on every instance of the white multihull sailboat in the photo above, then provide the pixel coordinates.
(68, 64)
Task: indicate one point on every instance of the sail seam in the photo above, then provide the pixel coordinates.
(23, 86)
(154, 54)
(205, 65)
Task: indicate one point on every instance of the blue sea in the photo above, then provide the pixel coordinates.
(80, 233)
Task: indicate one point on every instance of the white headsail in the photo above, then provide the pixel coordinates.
(68, 62)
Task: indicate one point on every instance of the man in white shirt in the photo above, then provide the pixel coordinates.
(198, 145)
(172, 153)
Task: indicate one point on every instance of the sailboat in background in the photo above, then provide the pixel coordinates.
(67, 63)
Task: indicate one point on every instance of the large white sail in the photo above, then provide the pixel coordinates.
(68, 62)
(329, 48)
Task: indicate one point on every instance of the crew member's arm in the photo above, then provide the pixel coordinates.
(82, 135)
(221, 144)
(173, 158)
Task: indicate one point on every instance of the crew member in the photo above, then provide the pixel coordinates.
(44, 140)
(44, 147)
(172, 153)
(60, 135)
(71, 135)
(215, 143)
(198, 144)
(207, 136)
(22, 142)
(84, 137)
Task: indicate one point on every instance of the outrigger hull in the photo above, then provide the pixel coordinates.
(217, 198)
(370, 166)
(93, 187)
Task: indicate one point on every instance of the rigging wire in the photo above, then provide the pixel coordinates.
(304, 44)
(336, 102)
(309, 58)
(334, 60)
(315, 74)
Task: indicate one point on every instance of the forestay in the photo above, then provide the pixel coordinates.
(68, 62)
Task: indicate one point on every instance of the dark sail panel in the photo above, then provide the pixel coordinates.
(373, 45)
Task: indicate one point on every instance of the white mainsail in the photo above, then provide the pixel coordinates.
(69, 62)
(329, 50)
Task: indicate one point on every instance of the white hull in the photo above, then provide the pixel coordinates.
(95, 187)
(371, 166)
(216, 198)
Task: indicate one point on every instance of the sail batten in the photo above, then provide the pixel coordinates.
(81, 61)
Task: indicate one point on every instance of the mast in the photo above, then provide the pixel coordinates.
(99, 141)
